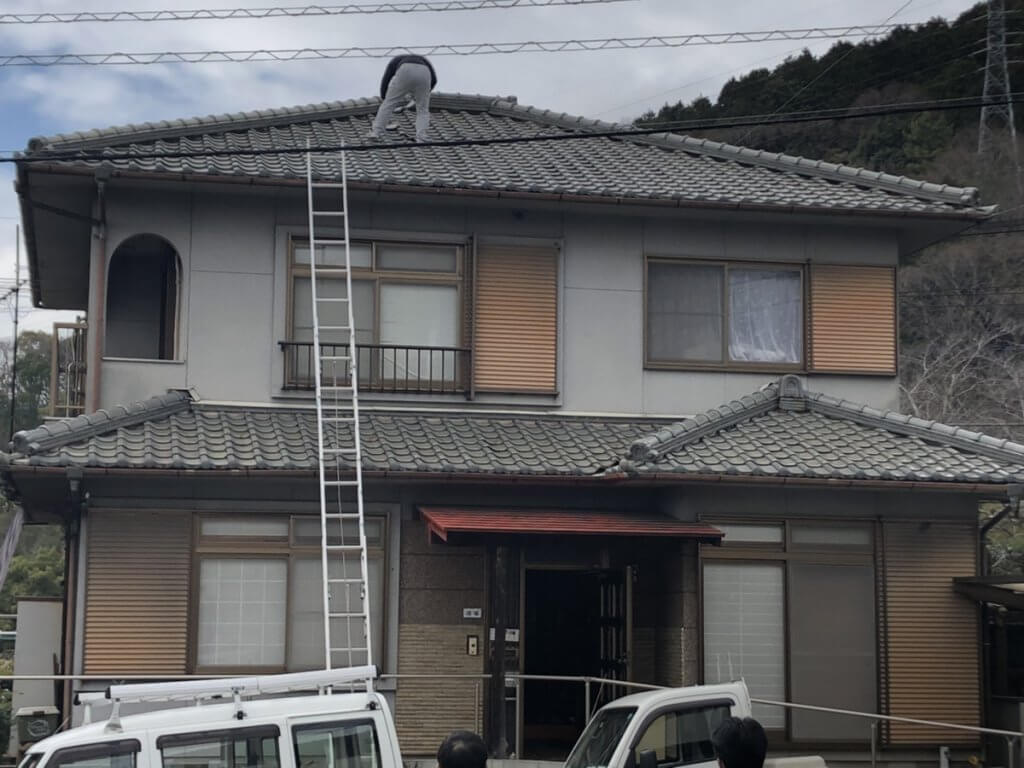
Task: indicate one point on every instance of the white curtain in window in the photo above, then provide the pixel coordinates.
(305, 612)
(744, 632)
(242, 612)
(684, 312)
(419, 316)
(765, 316)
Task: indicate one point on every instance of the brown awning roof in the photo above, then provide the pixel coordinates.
(1000, 590)
(444, 521)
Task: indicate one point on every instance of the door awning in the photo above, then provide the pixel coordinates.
(444, 521)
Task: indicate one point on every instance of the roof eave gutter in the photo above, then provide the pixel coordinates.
(972, 215)
(994, 490)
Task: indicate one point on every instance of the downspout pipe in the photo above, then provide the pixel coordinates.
(97, 308)
(71, 545)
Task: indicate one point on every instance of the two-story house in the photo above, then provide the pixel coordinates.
(546, 334)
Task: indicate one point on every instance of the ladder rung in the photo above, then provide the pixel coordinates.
(328, 185)
(330, 241)
(342, 419)
(335, 357)
(342, 515)
(341, 483)
(346, 614)
(334, 328)
(340, 450)
(335, 389)
(344, 581)
(348, 650)
(330, 271)
(344, 548)
(328, 213)
(331, 299)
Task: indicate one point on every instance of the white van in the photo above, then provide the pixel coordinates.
(335, 730)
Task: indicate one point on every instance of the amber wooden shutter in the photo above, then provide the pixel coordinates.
(853, 319)
(932, 631)
(137, 592)
(516, 319)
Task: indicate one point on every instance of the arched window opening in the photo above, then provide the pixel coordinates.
(142, 299)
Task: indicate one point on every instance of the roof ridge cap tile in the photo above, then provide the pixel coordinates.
(240, 120)
(838, 172)
(649, 449)
(60, 433)
(913, 426)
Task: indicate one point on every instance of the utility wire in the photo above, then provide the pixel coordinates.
(288, 11)
(851, 113)
(444, 49)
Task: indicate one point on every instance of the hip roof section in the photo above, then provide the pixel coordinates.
(658, 169)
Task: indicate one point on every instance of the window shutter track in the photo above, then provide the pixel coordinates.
(853, 319)
(137, 592)
(516, 319)
(932, 632)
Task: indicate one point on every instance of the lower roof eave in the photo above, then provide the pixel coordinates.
(996, 490)
(975, 214)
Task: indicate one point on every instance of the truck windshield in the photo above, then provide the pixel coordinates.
(599, 740)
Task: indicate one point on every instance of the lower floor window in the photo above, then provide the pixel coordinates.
(799, 630)
(351, 744)
(260, 595)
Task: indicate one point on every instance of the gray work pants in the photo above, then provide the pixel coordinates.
(409, 79)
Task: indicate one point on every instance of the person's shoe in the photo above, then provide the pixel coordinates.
(391, 127)
(372, 134)
(420, 138)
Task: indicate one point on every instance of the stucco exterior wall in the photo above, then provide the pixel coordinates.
(232, 244)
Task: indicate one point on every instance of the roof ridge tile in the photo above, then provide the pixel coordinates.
(59, 433)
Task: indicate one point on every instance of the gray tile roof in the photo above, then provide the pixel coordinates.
(783, 431)
(665, 169)
(780, 431)
(194, 436)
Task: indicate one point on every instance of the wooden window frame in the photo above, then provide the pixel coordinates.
(750, 553)
(383, 277)
(726, 364)
(281, 548)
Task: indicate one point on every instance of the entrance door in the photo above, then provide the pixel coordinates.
(614, 628)
(576, 624)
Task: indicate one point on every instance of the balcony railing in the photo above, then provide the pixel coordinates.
(67, 370)
(384, 367)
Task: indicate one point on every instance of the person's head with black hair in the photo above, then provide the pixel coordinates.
(740, 743)
(462, 749)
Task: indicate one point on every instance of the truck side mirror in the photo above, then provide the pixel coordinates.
(647, 758)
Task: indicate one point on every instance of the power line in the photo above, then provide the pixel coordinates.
(444, 49)
(293, 11)
(851, 113)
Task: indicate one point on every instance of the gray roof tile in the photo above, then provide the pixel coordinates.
(800, 435)
(665, 168)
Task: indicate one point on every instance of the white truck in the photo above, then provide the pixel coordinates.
(218, 724)
(667, 728)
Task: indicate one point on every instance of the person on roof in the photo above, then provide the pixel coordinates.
(406, 76)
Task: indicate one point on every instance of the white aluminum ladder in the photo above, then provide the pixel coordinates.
(346, 594)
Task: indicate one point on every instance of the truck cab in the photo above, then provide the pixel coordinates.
(667, 728)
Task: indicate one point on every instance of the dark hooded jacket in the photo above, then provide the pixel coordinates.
(398, 61)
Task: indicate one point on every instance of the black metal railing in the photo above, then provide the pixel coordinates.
(382, 367)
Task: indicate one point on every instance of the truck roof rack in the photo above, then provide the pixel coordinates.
(195, 691)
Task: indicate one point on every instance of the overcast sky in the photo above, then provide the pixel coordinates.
(612, 85)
